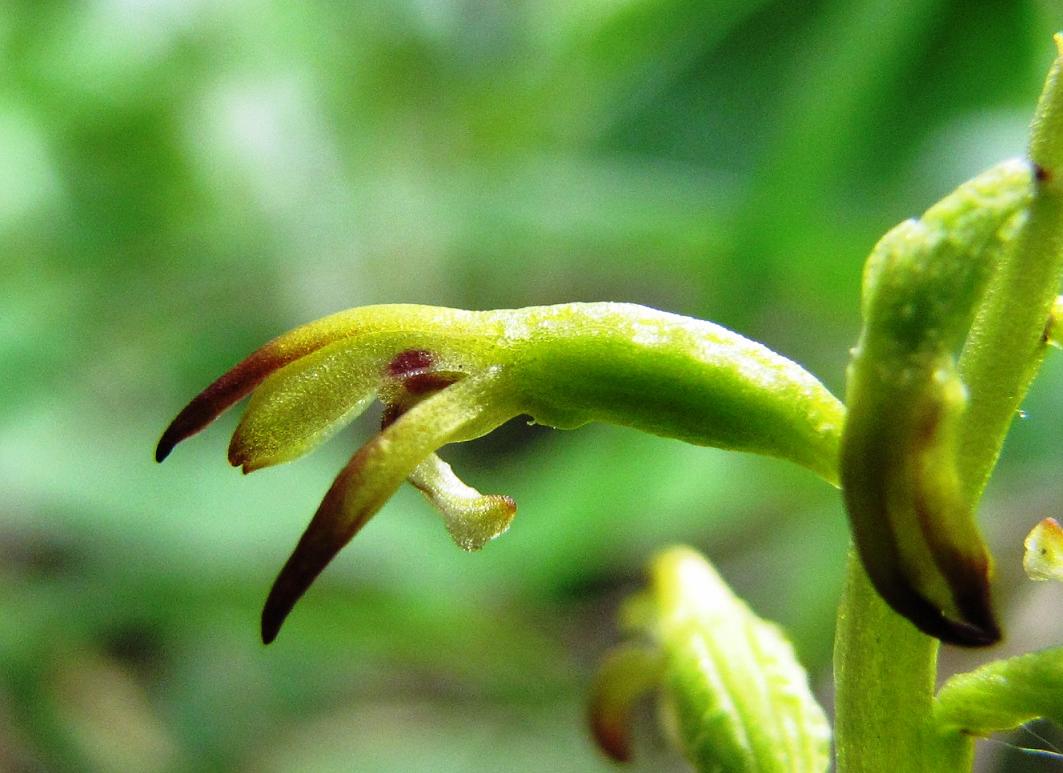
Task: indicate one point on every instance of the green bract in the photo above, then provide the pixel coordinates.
(913, 524)
(731, 684)
(447, 375)
(1003, 695)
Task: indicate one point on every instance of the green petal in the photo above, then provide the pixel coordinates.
(460, 412)
(305, 403)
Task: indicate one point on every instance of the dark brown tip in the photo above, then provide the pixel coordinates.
(288, 588)
(1043, 175)
(165, 446)
(331, 528)
(979, 629)
(315, 550)
(612, 735)
(217, 398)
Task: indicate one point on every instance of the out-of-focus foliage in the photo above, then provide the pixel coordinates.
(729, 683)
(181, 180)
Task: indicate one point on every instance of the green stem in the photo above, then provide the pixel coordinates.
(885, 669)
(1007, 342)
(885, 672)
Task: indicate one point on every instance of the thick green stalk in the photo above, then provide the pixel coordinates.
(884, 668)
(885, 671)
(1007, 342)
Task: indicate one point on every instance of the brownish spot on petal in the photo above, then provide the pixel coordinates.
(410, 362)
(426, 383)
(612, 733)
(415, 382)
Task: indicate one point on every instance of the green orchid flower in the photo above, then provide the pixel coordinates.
(446, 376)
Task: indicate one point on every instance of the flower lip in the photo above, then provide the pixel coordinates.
(372, 476)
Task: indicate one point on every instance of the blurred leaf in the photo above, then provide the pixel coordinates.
(1003, 694)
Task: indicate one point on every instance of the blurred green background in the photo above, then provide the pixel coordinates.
(181, 180)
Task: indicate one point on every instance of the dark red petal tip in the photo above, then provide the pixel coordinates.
(331, 528)
(317, 547)
(612, 735)
(309, 559)
(225, 392)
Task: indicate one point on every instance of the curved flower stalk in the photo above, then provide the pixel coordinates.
(732, 690)
(446, 375)
(912, 523)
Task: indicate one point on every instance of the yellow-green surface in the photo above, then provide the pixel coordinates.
(181, 181)
(449, 376)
